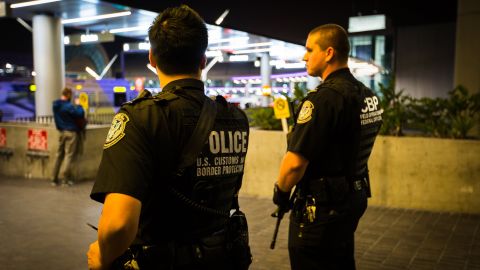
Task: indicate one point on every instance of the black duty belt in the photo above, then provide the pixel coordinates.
(331, 189)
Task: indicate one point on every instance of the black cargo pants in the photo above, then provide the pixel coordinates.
(328, 242)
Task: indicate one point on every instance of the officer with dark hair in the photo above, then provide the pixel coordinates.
(154, 214)
(327, 157)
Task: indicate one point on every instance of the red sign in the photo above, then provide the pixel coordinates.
(37, 139)
(3, 137)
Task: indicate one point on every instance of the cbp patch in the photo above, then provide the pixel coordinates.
(305, 113)
(115, 134)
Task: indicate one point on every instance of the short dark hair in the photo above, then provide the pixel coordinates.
(335, 36)
(178, 38)
(67, 92)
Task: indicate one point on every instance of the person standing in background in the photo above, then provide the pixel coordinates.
(66, 115)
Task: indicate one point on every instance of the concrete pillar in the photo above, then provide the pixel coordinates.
(49, 62)
(265, 73)
(467, 58)
(265, 69)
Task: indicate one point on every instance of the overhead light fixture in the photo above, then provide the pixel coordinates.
(252, 51)
(136, 47)
(152, 69)
(129, 29)
(210, 65)
(92, 1)
(77, 39)
(92, 73)
(367, 23)
(274, 76)
(238, 58)
(144, 46)
(97, 17)
(285, 65)
(241, 46)
(220, 19)
(213, 53)
(24, 24)
(88, 38)
(234, 39)
(107, 67)
(32, 3)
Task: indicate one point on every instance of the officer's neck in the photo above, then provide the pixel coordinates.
(332, 68)
(166, 78)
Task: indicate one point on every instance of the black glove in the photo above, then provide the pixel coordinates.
(281, 198)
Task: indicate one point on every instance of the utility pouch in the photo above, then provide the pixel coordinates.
(210, 249)
(237, 243)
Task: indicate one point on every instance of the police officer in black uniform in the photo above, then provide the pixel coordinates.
(154, 215)
(327, 156)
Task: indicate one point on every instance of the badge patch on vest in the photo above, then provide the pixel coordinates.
(115, 134)
(305, 114)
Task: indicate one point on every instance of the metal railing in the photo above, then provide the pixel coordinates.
(93, 119)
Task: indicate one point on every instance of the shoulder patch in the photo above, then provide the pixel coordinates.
(305, 114)
(116, 132)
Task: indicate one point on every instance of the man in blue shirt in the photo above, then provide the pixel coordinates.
(65, 115)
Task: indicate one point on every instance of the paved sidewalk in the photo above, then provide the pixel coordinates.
(43, 227)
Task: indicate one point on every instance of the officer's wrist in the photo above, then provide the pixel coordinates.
(281, 188)
(280, 197)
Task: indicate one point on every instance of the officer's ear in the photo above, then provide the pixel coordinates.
(203, 62)
(151, 59)
(330, 52)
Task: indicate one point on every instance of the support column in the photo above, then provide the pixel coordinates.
(265, 69)
(49, 62)
(265, 73)
(467, 58)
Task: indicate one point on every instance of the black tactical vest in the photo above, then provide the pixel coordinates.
(210, 183)
(367, 119)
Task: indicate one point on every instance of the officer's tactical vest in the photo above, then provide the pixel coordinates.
(366, 106)
(213, 180)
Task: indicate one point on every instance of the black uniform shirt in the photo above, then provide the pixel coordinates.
(324, 129)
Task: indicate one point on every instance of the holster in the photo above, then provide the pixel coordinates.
(238, 241)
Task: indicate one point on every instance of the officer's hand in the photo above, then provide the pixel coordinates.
(281, 198)
(93, 254)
